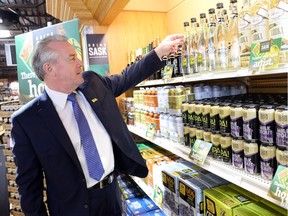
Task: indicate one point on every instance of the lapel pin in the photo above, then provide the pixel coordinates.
(94, 100)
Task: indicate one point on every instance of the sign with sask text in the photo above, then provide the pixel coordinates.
(98, 53)
(29, 84)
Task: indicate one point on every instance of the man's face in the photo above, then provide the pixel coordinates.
(66, 72)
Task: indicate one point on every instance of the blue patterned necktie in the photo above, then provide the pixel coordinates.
(94, 163)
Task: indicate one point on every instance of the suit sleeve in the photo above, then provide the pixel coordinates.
(134, 74)
(29, 177)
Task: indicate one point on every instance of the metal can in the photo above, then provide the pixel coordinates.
(238, 153)
(268, 162)
(251, 157)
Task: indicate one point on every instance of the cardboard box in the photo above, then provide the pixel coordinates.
(191, 197)
(138, 206)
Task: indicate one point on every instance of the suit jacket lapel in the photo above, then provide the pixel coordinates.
(50, 117)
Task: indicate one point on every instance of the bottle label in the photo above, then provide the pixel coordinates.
(278, 19)
(223, 58)
(259, 26)
(283, 5)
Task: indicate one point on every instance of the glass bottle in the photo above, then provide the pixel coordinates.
(211, 40)
(185, 49)
(244, 30)
(194, 46)
(278, 18)
(233, 39)
(260, 22)
(222, 44)
(202, 54)
(226, 18)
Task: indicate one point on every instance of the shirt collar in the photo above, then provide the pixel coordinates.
(58, 98)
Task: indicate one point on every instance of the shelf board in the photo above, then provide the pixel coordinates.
(245, 72)
(254, 183)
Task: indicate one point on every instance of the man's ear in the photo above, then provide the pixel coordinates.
(47, 67)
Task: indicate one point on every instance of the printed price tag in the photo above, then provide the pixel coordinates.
(150, 131)
(199, 151)
(167, 72)
(279, 186)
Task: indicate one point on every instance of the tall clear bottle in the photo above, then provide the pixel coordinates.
(278, 19)
(222, 43)
(212, 40)
(244, 28)
(260, 22)
(202, 49)
(186, 49)
(194, 46)
(233, 38)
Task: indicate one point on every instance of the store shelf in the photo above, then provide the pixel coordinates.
(253, 183)
(213, 76)
(145, 187)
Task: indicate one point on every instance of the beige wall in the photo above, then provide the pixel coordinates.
(130, 31)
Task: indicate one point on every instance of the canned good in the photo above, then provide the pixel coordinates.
(226, 149)
(282, 156)
(251, 157)
(216, 147)
(238, 153)
(199, 133)
(198, 113)
(214, 117)
(267, 124)
(206, 115)
(268, 162)
(184, 109)
(224, 118)
(192, 136)
(250, 122)
(236, 120)
(281, 119)
(191, 114)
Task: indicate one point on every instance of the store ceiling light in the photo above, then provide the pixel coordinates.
(5, 33)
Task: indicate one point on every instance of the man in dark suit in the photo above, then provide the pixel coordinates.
(48, 139)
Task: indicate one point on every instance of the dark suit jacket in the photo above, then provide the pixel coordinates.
(41, 143)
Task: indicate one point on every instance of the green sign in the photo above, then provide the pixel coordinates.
(279, 186)
(265, 55)
(29, 85)
(199, 151)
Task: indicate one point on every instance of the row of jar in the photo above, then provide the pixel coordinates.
(168, 99)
